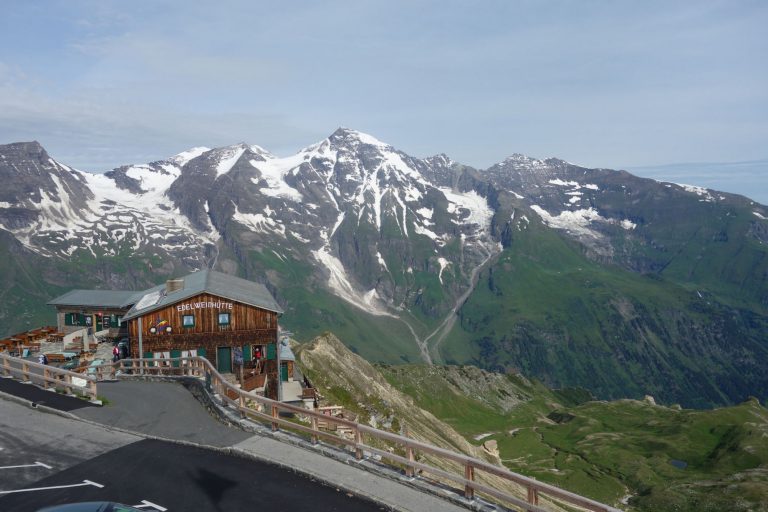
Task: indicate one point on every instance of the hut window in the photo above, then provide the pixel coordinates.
(223, 318)
(73, 319)
(188, 321)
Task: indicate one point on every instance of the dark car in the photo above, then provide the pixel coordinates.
(91, 506)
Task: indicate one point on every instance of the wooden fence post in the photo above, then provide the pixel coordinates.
(314, 429)
(358, 442)
(46, 377)
(6, 367)
(533, 495)
(409, 469)
(469, 474)
(92, 389)
(274, 415)
(25, 370)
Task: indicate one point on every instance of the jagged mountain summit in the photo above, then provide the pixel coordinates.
(578, 276)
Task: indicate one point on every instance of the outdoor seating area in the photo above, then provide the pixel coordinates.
(30, 340)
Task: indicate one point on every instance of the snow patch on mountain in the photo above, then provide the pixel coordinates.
(562, 183)
(575, 184)
(339, 283)
(421, 230)
(151, 180)
(479, 212)
(425, 212)
(258, 222)
(273, 172)
(576, 222)
(627, 224)
(443, 264)
(699, 191)
(381, 261)
(228, 158)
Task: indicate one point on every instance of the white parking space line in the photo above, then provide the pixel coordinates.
(85, 482)
(46, 466)
(145, 504)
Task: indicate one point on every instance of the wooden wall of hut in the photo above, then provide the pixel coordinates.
(206, 308)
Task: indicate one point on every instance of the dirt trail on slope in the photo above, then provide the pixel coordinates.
(448, 322)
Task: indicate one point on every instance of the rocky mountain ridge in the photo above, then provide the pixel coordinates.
(411, 258)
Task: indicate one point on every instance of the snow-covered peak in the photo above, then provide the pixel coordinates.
(261, 151)
(227, 157)
(345, 136)
(185, 156)
(439, 160)
(524, 162)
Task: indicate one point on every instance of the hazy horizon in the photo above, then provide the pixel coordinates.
(600, 84)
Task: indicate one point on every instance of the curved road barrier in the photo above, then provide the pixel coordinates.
(251, 405)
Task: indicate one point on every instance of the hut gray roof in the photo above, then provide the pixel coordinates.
(205, 281)
(97, 298)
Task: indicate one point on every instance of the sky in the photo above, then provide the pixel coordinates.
(675, 90)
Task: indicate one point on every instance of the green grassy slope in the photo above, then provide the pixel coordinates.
(23, 292)
(546, 310)
(608, 450)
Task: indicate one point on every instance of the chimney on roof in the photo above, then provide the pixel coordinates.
(174, 285)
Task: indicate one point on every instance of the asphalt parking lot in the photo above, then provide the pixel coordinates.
(48, 459)
(158, 475)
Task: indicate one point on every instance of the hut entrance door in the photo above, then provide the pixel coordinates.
(224, 359)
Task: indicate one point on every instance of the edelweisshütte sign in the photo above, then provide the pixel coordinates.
(188, 306)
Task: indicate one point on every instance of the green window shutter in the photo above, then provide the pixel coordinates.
(271, 353)
(67, 318)
(201, 352)
(246, 352)
(175, 353)
(284, 372)
(147, 355)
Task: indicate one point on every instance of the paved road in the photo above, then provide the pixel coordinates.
(184, 478)
(161, 409)
(169, 411)
(42, 396)
(28, 436)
